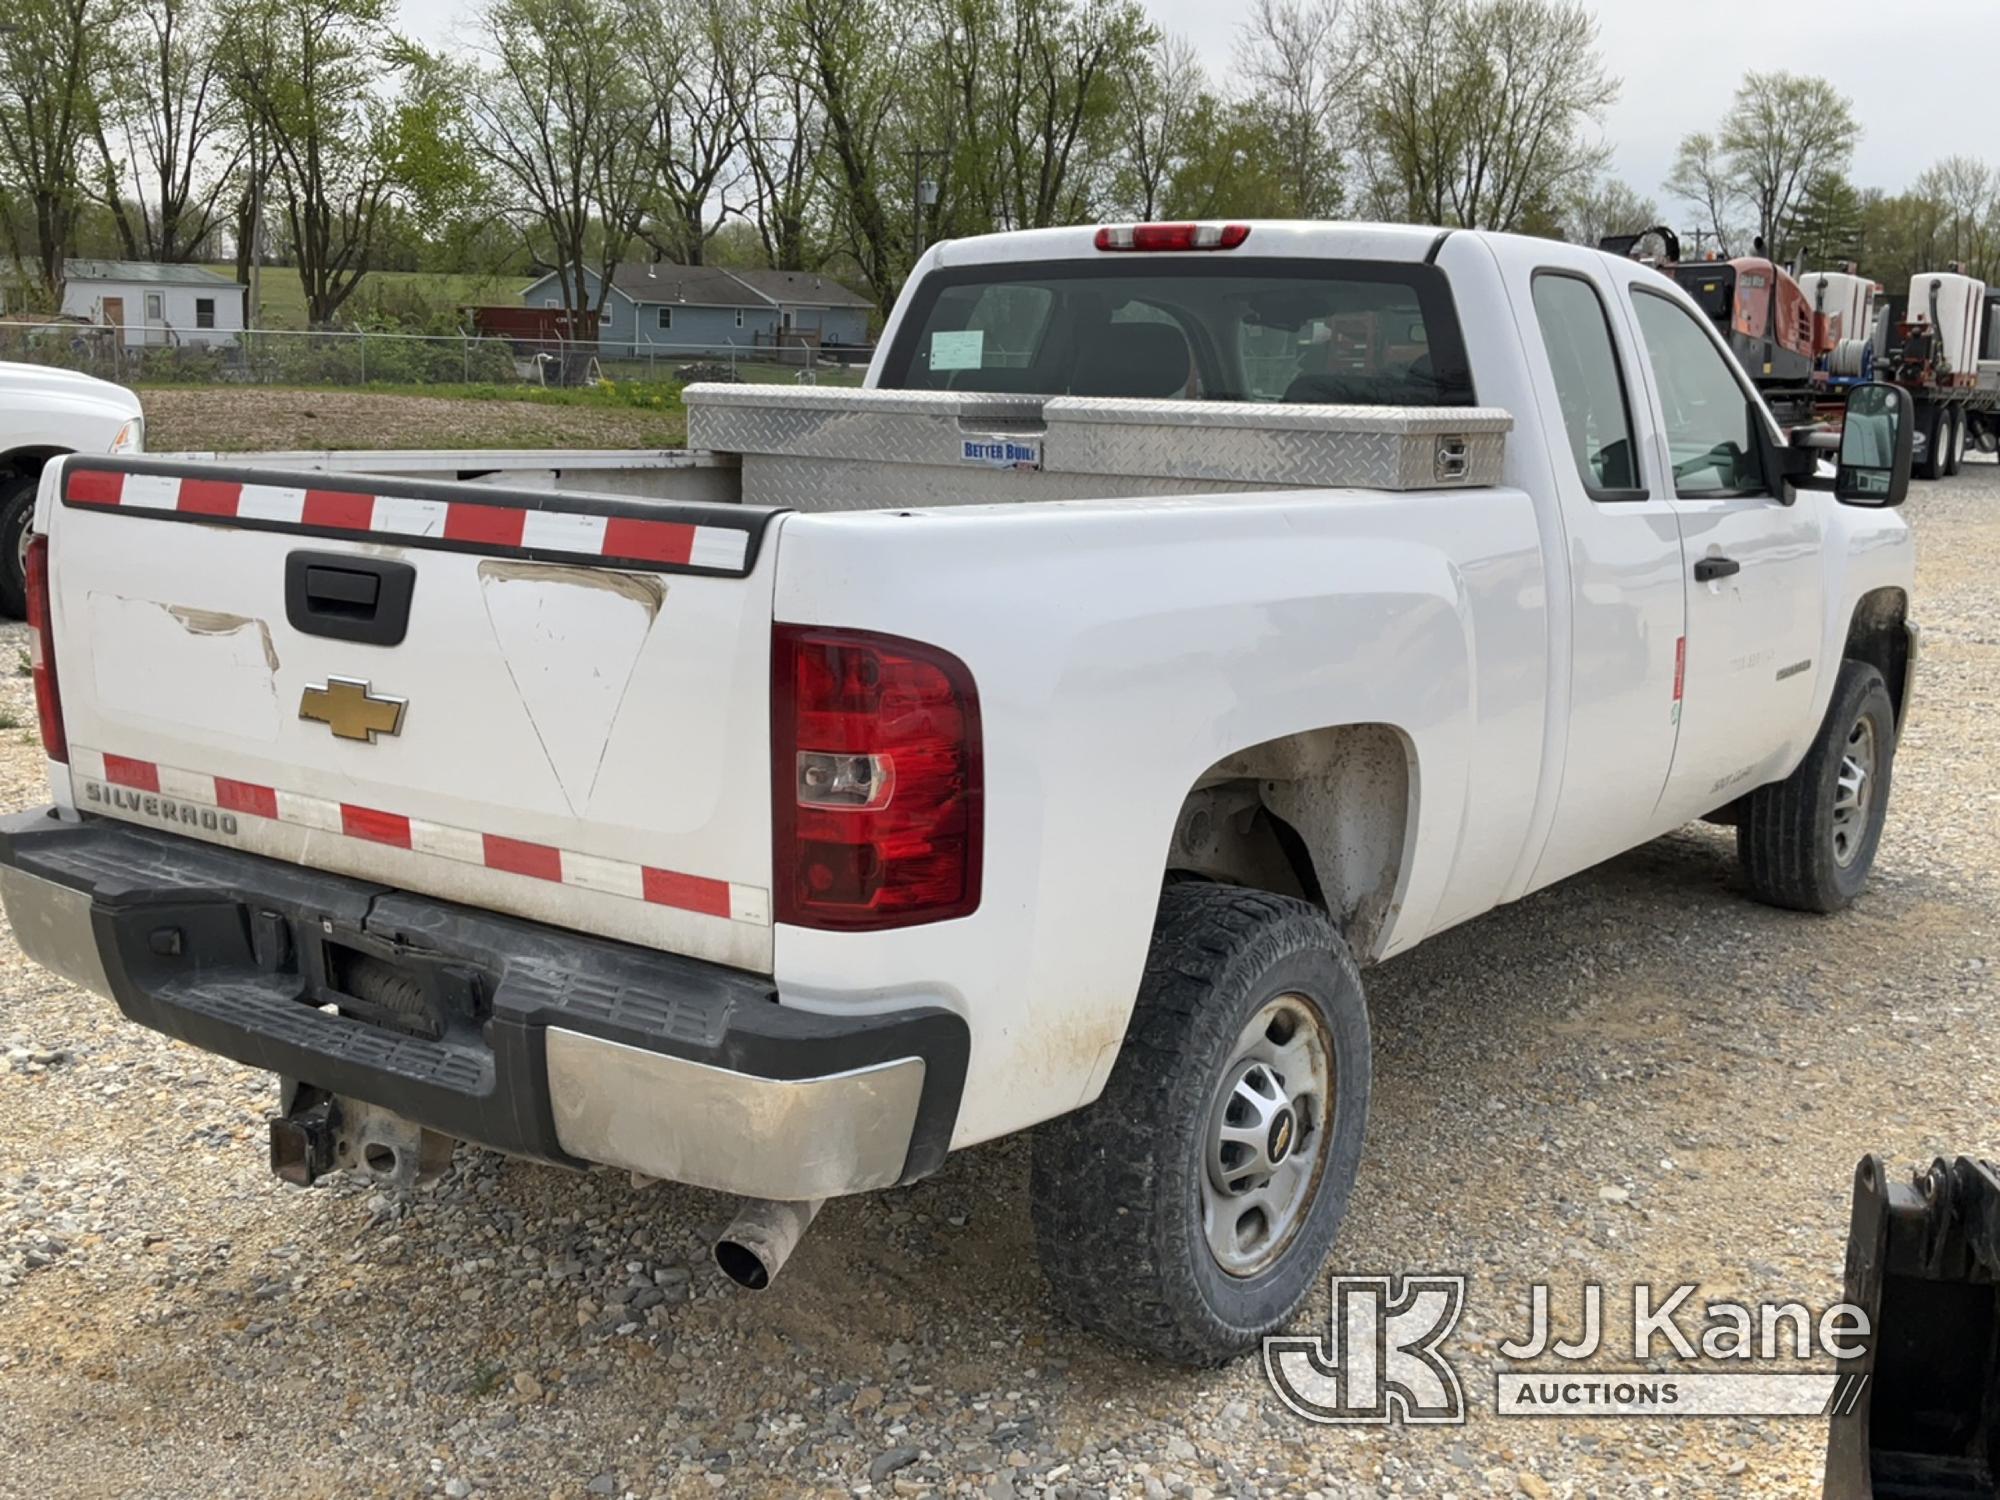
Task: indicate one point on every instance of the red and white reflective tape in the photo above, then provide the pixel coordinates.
(637, 538)
(590, 872)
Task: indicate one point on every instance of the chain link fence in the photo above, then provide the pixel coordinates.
(349, 358)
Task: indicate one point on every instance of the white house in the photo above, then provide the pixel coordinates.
(156, 305)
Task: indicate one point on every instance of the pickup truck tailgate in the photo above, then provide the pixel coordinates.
(547, 705)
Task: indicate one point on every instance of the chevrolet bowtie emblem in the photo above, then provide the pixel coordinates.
(347, 708)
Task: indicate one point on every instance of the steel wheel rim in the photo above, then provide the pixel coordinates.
(1265, 1144)
(1854, 792)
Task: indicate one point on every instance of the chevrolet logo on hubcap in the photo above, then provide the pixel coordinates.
(346, 707)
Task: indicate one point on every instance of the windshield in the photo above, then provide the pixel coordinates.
(1314, 331)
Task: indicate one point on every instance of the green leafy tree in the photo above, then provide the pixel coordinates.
(54, 58)
(355, 120)
(1783, 131)
(850, 53)
(1825, 227)
(1059, 79)
(1232, 169)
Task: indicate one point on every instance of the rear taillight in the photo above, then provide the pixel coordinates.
(1172, 236)
(876, 780)
(42, 651)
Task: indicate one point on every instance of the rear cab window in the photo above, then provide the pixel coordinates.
(1590, 384)
(1314, 332)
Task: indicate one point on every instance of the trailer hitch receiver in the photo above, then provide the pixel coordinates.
(1923, 1262)
(302, 1145)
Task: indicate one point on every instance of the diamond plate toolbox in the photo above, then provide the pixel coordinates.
(841, 449)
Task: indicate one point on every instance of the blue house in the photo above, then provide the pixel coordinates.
(686, 312)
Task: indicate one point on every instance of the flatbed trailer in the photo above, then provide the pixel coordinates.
(1957, 399)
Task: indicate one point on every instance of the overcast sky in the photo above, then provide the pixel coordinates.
(1680, 61)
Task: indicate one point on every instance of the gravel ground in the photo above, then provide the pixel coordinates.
(1636, 1076)
(206, 420)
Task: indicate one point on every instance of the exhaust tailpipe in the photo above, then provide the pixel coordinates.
(761, 1238)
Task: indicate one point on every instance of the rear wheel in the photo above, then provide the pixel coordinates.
(1932, 430)
(17, 512)
(1954, 453)
(1808, 842)
(1189, 1209)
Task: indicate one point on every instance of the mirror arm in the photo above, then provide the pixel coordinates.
(1788, 467)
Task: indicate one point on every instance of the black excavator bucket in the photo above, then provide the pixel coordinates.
(1923, 1261)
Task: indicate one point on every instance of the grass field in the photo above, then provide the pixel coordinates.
(397, 294)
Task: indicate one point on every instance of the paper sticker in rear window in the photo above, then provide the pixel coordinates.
(958, 350)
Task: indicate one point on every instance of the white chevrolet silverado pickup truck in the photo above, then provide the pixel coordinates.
(1185, 618)
(45, 413)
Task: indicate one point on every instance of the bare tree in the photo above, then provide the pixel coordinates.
(174, 114)
(1700, 176)
(778, 122)
(1163, 89)
(1481, 115)
(1057, 92)
(694, 125)
(850, 53)
(1782, 131)
(563, 123)
(1300, 65)
(1607, 207)
(1530, 147)
(1964, 194)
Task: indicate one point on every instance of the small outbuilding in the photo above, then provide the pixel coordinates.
(154, 305)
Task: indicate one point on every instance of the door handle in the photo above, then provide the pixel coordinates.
(349, 598)
(1711, 568)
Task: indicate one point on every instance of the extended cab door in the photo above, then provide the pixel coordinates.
(1621, 537)
(1753, 570)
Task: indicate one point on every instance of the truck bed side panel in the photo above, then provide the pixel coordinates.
(1120, 650)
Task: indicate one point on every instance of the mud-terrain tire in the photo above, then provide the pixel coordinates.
(1808, 842)
(1124, 1191)
(17, 513)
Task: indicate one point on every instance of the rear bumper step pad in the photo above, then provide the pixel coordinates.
(547, 1043)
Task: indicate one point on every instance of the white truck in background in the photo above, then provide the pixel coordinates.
(1186, 618)
(45, 413)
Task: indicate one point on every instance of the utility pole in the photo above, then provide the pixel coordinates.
(923, 197)
(256, 209)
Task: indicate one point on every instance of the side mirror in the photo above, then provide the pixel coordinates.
(1875, 444)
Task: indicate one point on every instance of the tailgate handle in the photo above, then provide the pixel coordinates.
(349, 598)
